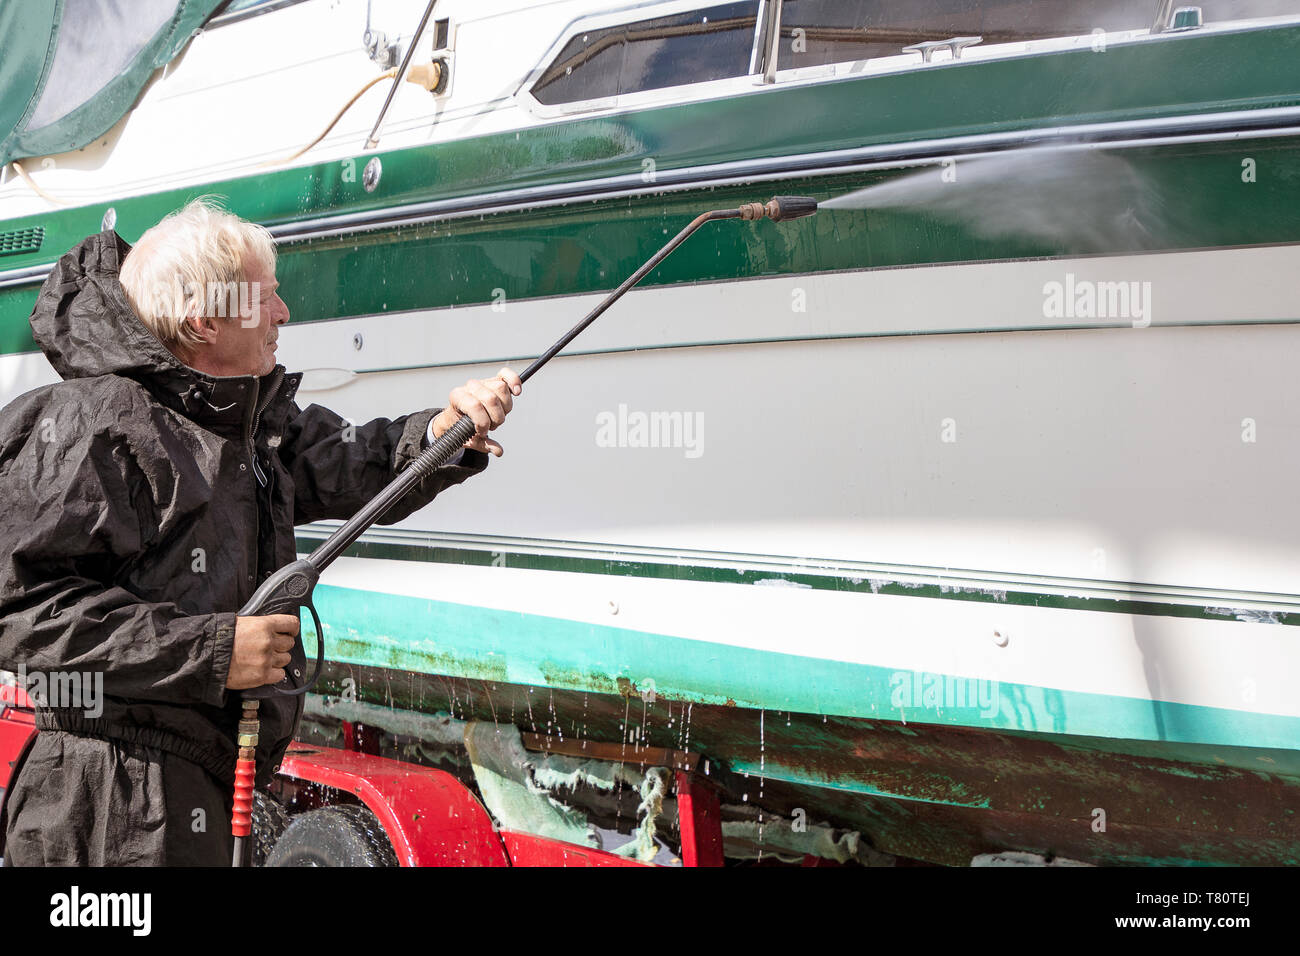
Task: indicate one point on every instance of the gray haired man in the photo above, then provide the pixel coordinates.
(142, 500)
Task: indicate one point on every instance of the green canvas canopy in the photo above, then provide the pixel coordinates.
(70, 69)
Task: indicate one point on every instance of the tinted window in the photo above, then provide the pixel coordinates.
(707, 44)
(814, 32)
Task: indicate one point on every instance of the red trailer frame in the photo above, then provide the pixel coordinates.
(17, 724)
(430, 817)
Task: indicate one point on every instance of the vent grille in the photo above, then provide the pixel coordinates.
(18, 241)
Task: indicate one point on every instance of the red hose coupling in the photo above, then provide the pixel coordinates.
(241, 821)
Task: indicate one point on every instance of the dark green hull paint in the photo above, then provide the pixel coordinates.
(928, 792)
(589, 247)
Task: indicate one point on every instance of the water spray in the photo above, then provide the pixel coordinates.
(1078, 198)
(289, 589)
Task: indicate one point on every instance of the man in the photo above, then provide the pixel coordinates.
(142, 500)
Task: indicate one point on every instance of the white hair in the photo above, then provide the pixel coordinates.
(185, 267)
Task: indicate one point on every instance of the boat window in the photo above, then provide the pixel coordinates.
(711, 43)
(817, 32)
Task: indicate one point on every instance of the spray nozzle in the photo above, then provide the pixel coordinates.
(779, 208)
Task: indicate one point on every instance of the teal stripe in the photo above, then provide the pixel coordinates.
(435, 637)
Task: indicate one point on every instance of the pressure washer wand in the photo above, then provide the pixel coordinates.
(779, 209)
(290, 589)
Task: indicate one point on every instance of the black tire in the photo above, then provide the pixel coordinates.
(270, 820)
(334, 836)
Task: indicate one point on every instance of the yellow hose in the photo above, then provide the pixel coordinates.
(325, 132)
(390, 74)
(35, 188)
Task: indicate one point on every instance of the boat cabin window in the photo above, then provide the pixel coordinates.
(818, 32)
(709, 43)
(1220, 11)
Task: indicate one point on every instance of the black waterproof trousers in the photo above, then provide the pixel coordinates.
(81, 801)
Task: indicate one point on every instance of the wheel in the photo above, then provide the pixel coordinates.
(270, 820)
(334, 836)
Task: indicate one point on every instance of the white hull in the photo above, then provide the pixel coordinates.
(1153, 464)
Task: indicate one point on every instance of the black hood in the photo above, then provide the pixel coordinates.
(86, 327)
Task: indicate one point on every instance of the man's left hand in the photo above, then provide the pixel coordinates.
(487, 403)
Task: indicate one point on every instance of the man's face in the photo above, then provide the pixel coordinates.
(251, 341)
(245, 344)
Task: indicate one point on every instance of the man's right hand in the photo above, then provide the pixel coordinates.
(486, 402)
(262, 646)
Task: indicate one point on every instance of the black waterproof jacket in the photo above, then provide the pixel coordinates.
(141, 502)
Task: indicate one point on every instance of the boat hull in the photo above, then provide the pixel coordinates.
(918, 791)
(951, 529)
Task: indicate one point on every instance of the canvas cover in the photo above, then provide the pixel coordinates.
(70, 69)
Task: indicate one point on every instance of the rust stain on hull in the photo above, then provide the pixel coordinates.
(935, 793)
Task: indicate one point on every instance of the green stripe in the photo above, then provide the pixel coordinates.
(620, 565)
(404, 633)
(590, 247)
